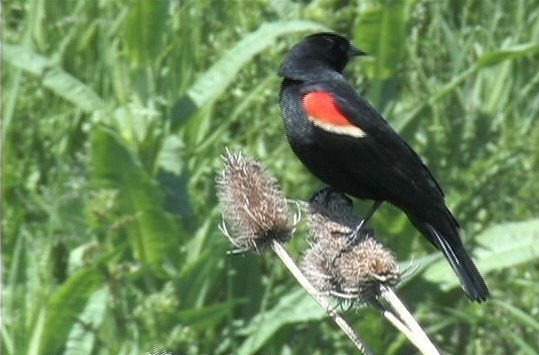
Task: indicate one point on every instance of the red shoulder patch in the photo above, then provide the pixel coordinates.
(320, 106)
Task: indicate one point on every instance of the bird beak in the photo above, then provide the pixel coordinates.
(355, 52)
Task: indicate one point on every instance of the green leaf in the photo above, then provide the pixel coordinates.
(143, 30)
(53, 77)
(296, 307)
(64, 308)
(501, 246)
(486, 60)
(380, 30)
(525, 347)
(25, 59)
(217, 78)
(519, 315)
(82, 337)
(493, 58)
(153, 234)
(206, 317)
(34, 344)
(201, 268)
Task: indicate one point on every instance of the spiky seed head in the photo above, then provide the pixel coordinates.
(354, 272)
(331, 214)
(254, 208)
(365, 267)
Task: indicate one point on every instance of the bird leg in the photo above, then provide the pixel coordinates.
(356, 233)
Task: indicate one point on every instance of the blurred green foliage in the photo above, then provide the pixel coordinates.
(115, 113)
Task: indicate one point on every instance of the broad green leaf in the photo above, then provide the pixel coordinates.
(380, 30)
(501, 246)
(153, 234)
(143, 30)
(65, 306)
(169, 157)
(296, 307)
(82, 337)
(217, 78)
(53, 77)
(25, 59)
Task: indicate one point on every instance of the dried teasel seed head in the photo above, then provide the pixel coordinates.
(365, 267)
(331, 214)
(254, 208)
(354, 272)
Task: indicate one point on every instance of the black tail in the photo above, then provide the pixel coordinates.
(441, 228)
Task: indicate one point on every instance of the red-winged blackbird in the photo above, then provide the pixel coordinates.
(343, 141)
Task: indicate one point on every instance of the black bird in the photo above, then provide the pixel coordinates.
(347, 144)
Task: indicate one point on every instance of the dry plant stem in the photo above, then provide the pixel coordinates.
(418, 337)
(422, 345)
(419, 343)
(322, 301)
(397, 323)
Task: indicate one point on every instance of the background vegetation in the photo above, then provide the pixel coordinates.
(115, 114)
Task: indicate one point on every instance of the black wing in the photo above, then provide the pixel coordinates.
(395, 159)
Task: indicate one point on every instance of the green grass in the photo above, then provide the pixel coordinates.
(115, 113)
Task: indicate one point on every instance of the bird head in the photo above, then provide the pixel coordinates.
(320, 51)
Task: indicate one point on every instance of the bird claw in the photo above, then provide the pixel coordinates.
(353, 239)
